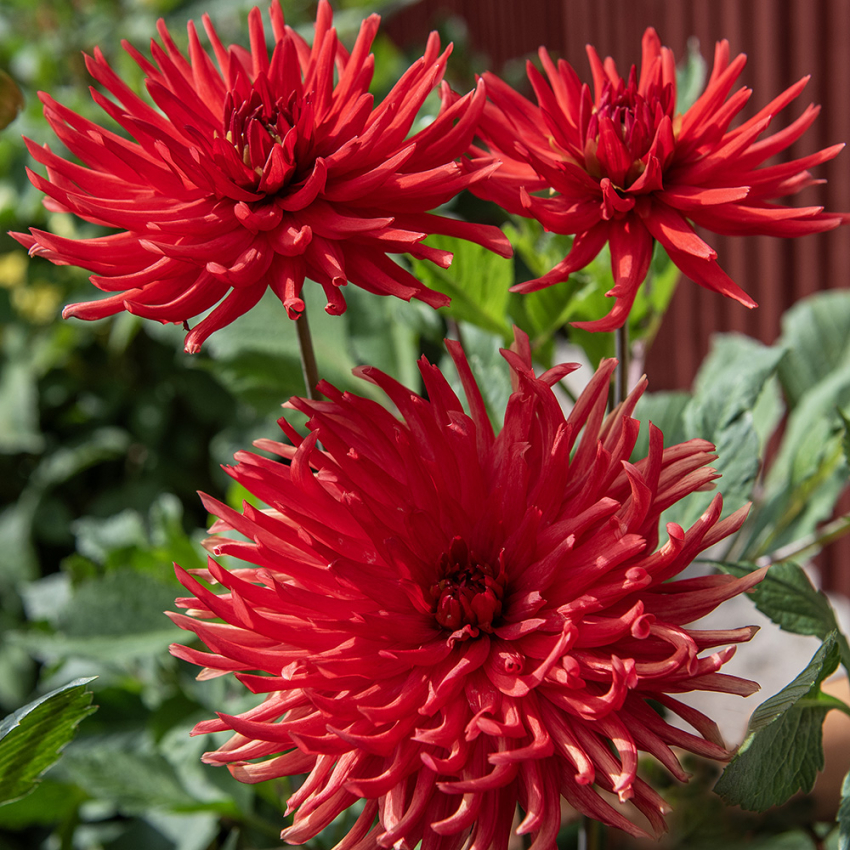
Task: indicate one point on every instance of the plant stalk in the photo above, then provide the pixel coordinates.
(308, 356)
(591, 835)
(829, 533)
(621, 374)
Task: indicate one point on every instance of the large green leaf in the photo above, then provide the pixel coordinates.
(125, 770)
(783, 750)
(809, 471)
(816, 333)
(48, 803)
(664, 410)
(489, 367)
(844, 815)
(32, 738)
(19, 431)
(382, 333)
(727, 389)
(788, 598)
(477, 282)
(257, 357)
(729, 382)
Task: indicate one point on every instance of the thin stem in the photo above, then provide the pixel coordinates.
(831, 532)
(308, 356)
(824, 701)
(621, 375)
(591, 836)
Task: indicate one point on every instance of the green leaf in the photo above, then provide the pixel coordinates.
(381, 336)
(845, 437)
(477, 282)
(125, 770)
(727, 390)
(664, 410)
(114, 618)
(257, 357)
(788, 598)
(809, 470)
(783, 750)
(690, 78)
(816, 332)
(132, 781)
(844, 815)
(483, 353)
(32, 738)
(19, 431)
(48, 803)
(729, 382)
(11, 100)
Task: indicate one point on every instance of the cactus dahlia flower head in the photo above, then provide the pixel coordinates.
(257, 169)
(618, 164)
(448, 622)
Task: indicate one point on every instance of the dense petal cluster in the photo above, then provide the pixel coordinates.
(619, 165)
(446, 622)
(257, 173)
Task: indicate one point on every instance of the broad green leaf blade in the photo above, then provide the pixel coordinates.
(382, 333)
(11, 100)
(32, 737)
(816, 332)
(690, 78)
(845, 437)
(664, 410)
(482, 349)
(844, 815)
(729, 383)
(257, 358)
(727, 390)
(113, 618)
(787, 596)
(50, 802)
(136, 780)
(477, 282)
(783, 750)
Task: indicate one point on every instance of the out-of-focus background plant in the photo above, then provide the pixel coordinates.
(107, 429)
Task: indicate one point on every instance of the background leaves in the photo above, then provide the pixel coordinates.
(32, 737)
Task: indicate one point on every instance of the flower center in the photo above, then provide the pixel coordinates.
(621, 129)
(269, 138)
(467, 592)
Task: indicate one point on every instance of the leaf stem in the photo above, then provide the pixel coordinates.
(621, 373)
(308, 356)
(829, 533)
(823, 700)
(591, 835)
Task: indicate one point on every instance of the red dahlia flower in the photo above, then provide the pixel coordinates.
(447, 622)
(621, 166)
(257, 174)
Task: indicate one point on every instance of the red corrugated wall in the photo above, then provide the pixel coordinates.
(784, 40)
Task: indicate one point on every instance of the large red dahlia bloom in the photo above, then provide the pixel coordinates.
(448, 622)
(255, 174)
(621, 166)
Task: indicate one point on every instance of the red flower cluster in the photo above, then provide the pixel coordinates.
(621, 166)
(257, 174)
(446, 622)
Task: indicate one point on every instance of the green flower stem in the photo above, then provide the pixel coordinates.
(591, 836)
(829, 533)
(621, 375)
(308, 356)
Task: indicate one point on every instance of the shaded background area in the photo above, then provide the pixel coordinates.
(784, 41)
